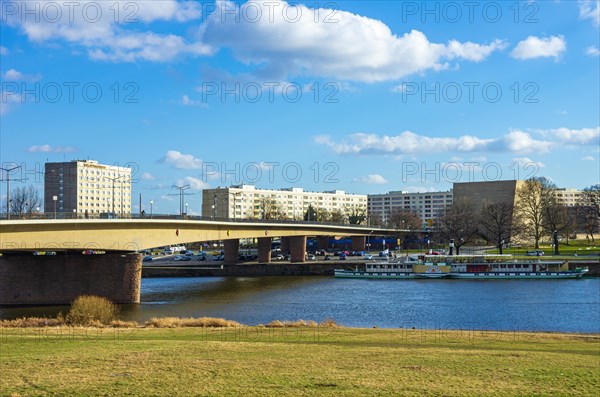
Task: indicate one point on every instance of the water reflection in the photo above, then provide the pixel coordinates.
(519, 305)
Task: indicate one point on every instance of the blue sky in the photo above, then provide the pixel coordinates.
(361, 96)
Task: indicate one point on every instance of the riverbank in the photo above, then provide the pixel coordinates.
(326, 268)
(316, 361)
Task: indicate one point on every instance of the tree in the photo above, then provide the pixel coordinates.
(356, 215)
(338, 216)
(404, 220)
(269, 209)
(310, 214)
(589, 210)
(24, 201)
(496, 223)
(555, 219)
(530, 207)
(459, 223)
(375, 220)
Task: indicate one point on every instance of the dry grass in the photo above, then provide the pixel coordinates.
(177, 322)
(32, 322)
(327, 323)
(90, 310)
(260, 361)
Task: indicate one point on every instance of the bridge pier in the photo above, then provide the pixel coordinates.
(285, 245)
(298, 248)
(264, 250)
(359, 243)
(232, 250)
(323, 242)
(26, 279)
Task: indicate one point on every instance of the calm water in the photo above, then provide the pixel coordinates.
(521, 305)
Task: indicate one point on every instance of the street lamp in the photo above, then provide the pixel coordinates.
(8, 171)
(54, 198)
(151, 204)
(186, 209)
(74, 213)
(37, 212)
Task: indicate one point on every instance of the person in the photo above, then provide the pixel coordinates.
(87, 215)
(143, 213)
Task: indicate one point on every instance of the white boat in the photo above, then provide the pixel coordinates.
(464, 267)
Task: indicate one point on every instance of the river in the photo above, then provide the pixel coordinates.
(507, 305)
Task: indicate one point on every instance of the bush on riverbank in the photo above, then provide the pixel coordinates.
(177, 322)
(89, 310)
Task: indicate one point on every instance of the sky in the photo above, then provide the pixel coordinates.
(360, 96)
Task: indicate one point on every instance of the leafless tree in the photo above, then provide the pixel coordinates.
(530, 207)
(459, 223)
(404, 220)
(24, 201)
(589, 210)
(496, 223)
(555, 218)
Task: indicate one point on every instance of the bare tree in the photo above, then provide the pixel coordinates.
(269, 209)
(405, 220)
(24, 201)
(375, 220)
(589, 210)
(496, 223)
(459, 223)
(530, 207)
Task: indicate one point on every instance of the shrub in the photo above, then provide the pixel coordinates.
(27, 322)
(329, 322)
(91, 310)
(177, 322)
(292, 324)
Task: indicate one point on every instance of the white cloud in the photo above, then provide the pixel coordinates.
(407, 142)
(525, 162)
(517, 141)
(110, 35)
(592, 51)
(50, 149)
(535, 47)
(589, 9)
(3, 51)
(148, 176)
(195, 183)
(181, 161)
(351, 48)
(15, 75)
(186, 101)
(577, 137)
(371, 179)
(588, 158)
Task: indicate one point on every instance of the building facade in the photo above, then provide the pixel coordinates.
(569, 197)
(83, 187)
(429, 206)
(249, 202)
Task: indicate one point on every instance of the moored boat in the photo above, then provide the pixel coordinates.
(463, 267)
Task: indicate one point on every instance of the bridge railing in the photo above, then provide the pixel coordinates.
(148, 217)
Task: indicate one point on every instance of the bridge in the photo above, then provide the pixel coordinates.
(26, 278)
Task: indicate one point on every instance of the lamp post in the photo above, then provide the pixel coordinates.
(37, 212)
(151, 204)
(54, 198)
(8, 171)
(186, 209)
(74, 213)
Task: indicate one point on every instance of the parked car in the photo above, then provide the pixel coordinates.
(342, 256)
(368, 257)
(327, 258)
(311, 257)
(147, 258)
(182, 258)
(535, 253)
(219, 257)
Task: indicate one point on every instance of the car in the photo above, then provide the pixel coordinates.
(147, 258)
(327, 258)
(368, 257)
(278, 257)
(189, 253)
(311, 257)
(535, 253)
(343, 256)
(219, 257)
(182, 258)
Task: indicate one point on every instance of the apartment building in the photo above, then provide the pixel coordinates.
(86, 187)
(247, 202)
(429, 205)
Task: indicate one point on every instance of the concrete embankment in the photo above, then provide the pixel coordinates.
(247, 270)
(592, 264)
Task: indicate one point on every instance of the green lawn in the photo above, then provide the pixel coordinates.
(579, 247)
(252, 361)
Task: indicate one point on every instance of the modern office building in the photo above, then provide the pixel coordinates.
(247, 202)
(429, 206)
(569, 197)
(85, 187)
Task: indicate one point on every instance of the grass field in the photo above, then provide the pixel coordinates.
(257, 361)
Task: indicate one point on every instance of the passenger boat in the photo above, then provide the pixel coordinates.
(465, 267)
